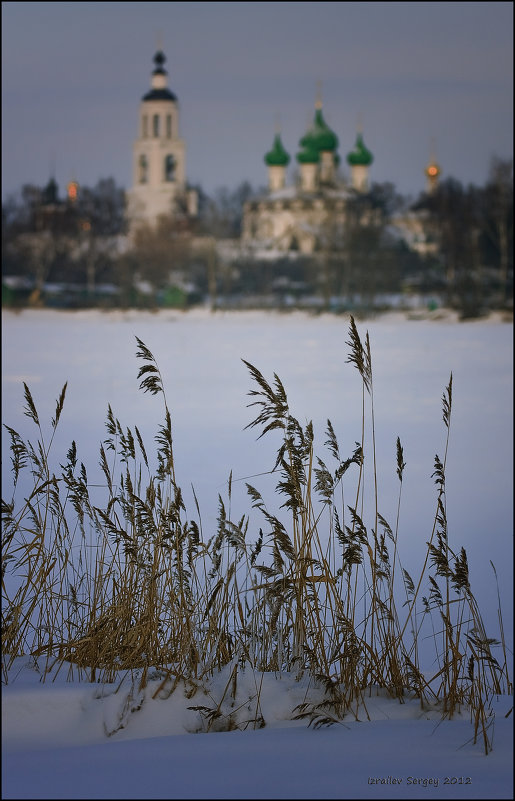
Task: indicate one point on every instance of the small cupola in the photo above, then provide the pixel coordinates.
(360, 160)
(360, 156)
(50, 195)
(277, 156)
(159, 82)
(432, 172)
(325, 138)
(309, 153)
(277, 159)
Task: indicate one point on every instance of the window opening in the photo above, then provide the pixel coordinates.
(169, 168)
(143, 169)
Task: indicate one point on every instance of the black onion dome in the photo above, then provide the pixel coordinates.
(161, 93)
(159, 60)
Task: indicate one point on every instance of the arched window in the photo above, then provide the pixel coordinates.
(144, 129)
(155, 124)
(169, 168)
(168, 126)
(143, 169)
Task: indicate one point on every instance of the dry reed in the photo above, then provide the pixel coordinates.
(133, 584)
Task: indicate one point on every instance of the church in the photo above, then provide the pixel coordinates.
(300, 217)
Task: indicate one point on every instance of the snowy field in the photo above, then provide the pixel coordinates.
(54, 735)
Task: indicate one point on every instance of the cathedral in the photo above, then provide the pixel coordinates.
(298, 217)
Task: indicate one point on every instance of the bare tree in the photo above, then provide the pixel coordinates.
(498, 215)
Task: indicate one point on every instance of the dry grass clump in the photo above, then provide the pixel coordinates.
(133, 584)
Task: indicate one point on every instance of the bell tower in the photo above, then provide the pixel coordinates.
(158, 183)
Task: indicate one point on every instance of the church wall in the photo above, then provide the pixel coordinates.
(295, 224)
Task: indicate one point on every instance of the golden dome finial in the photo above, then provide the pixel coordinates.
(433, 170)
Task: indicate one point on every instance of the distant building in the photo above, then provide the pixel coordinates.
(415, 226)
(52, 214)
(311, 214)
(159, 156)
(416, 230)
(302, 216)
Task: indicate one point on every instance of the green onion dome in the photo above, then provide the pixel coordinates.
(319, 136)
(277, 156)
(309, 154)
(360, 156)
(325, 138)
(308, 140)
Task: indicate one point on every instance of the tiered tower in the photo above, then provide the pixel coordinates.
(159, 156)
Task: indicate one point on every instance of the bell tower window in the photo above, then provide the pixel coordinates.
(144, 127)
(143, 169)
(169, 168)
(168, 126)
(155, 125)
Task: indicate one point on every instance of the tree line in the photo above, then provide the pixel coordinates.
(465, 258)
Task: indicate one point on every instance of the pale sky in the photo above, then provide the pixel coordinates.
(415, 75)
